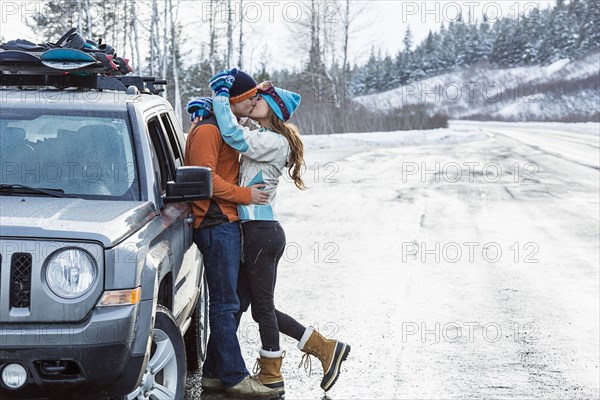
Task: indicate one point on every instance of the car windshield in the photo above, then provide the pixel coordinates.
(83, 154)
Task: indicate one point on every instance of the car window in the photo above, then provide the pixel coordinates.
(173, 140)
(162, 152)
(83, 153)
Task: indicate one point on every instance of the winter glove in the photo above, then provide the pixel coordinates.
(200, 107)
(222, 82)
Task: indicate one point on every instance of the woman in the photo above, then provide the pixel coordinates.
(265, 154)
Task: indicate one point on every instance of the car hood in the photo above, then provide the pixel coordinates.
(107, 222)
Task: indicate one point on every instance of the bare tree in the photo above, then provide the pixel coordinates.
(348, 21)
(79, 15)
(229, 34)
(153, 37)
(125, 24)
(212, 45)
(346, 35)
(88, 15)
(165, 43)
(241, 41)
(135, 40)
(174, 51)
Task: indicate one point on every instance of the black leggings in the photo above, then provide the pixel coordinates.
(264, 243)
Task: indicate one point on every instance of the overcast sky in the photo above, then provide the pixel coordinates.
(271, 27)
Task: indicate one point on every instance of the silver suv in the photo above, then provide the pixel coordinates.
(102, 290)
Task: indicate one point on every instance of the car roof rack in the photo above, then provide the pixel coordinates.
(144, 84)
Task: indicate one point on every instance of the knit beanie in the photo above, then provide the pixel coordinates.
(288, 100)
(244, 87)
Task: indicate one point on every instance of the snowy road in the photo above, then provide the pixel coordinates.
(455, 270)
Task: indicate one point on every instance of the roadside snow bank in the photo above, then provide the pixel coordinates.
(394, 139)
(326, 148)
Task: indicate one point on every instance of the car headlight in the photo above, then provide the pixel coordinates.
(71, 272)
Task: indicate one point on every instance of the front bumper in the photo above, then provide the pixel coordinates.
(99, 358)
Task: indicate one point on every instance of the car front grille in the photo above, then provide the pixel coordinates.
(20, 280)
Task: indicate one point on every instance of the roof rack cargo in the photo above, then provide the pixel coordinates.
(144, 84)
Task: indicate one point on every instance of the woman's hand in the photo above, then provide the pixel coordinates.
(200, 108)
(223, 81)
(259, 196)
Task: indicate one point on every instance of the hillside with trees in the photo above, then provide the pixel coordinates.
(152, 35)
(540, 37)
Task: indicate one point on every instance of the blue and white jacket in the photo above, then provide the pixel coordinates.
(265, 154)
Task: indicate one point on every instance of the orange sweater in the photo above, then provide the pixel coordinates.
(206, 148)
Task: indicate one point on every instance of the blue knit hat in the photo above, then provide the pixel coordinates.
(282, 102)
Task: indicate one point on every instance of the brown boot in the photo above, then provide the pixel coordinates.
(330, 352)
(268, 369)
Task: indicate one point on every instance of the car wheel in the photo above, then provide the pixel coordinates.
(196, 337)
(164, 378)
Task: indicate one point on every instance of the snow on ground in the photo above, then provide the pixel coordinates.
(586, 128)
(391, 139)
(586, 67)
(379, 257)
(336, 146)
(556, 66)
(535, 325)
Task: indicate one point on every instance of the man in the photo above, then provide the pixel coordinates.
(217, 235)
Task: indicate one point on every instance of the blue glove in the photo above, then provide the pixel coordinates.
(200, 107)
(222, 82)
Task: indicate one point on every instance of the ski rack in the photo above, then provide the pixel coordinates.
(144, 84)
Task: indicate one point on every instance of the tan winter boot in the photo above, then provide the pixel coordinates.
(268, 369)
(330, 352)
(251, 387)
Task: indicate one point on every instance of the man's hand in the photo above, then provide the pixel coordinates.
(222, 82)
(259, 196)
(200, 108)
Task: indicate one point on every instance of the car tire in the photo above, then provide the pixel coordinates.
(196, 337)
(165, 373)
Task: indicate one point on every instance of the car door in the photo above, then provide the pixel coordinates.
(192, 257)
(173, 215)
(192, 264)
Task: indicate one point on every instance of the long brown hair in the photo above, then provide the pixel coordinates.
(291, 133)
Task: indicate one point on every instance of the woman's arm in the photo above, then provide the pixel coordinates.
(265, 146)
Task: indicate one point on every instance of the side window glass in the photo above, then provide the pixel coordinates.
(173, 140)
(165, 163)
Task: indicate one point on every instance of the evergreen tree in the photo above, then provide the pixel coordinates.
(590, 28)
(387, 80)
(427, 53)
(568, 30)
(448, 49)
(403, 64)
(408, 39)
(460, 38)
(482, 46)
(368, 81)
(501, 53)
(557, 39)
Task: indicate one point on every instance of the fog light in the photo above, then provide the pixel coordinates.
(14, 376)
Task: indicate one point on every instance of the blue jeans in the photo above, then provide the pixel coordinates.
(220, 248)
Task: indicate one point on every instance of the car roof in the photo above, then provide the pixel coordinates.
(107, 100)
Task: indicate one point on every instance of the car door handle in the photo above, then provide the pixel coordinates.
(190, 219)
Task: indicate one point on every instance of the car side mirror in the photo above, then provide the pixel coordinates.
(191, 183)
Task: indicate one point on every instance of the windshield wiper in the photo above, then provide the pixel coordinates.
(17, 188)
